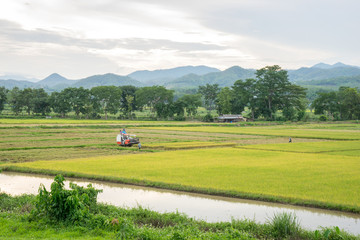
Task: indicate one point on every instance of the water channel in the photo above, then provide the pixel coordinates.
(199, 206)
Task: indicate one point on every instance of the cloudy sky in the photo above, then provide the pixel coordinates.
(79, 38)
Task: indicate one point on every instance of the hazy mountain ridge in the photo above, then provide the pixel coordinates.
(190, 77)
(223, 78)
(146, 76)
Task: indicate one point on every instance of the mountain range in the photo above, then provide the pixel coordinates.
(192, 77)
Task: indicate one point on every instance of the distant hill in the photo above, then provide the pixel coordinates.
(333, 83)
(223, 78)
(18, 78)
(55, 80)
(164, 75)
(108, 79)
(329, 66)
(10, 84)
(338, 74)
(307, 74)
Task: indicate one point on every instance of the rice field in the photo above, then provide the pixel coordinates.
(321, 165)
(304, 176)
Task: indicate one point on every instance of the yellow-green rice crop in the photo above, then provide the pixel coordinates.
(304, 176)
(274, 131)
(309, 147)
(187, 145)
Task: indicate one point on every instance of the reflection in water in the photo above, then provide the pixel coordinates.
(209, 208)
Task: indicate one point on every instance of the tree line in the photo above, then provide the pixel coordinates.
(269, 93)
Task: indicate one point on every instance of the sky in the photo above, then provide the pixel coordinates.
(80, 38)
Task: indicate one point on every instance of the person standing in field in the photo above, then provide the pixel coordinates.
(290, 140)
(139, 145)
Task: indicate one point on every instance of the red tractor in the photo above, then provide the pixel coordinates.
(126, 140)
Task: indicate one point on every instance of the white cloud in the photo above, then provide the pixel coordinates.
(77, 38)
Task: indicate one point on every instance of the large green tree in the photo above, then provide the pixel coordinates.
(106, 99)
(3, 97)
(275, 92)
(191, 102)
(15, 100)
(326, 102)
(60, 102)
(128, 93)
(223, 101)
(40, 102)
(209, 93)
(79, 99)
(151, 96)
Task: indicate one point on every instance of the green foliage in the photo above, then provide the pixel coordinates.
(343, 104)
(3, 97)
(223, 101)
(208, 118)
(65, 205)
(191, 103)
(323, 118)
(333, 233)
(106, 99)
(284, 225)
(209, 93)
(110, 222)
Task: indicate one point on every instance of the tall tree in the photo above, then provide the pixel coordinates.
(151, 96)
(3, 97)
(26, 99)
(223, 100)
(349, 103)
(209, 93)
(15, 100)
(191, 103)
(40, 102)
(326, 102)
(79, 99)
(127, 91)
(275, 91)
(245, 95)
(106, 99)
(60, 102)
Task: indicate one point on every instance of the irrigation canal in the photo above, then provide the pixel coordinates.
(199, 206)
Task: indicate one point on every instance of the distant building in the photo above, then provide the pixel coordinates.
(231, 118)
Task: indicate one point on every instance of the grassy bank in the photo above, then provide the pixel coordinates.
(17, 221)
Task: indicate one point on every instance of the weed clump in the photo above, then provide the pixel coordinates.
(284, 225)
(64, 205)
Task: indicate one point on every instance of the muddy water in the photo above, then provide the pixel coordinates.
(209, 208)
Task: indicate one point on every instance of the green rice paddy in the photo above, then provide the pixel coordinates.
(321, 166)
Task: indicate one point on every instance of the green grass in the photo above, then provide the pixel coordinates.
(109, 222)
(283, 176)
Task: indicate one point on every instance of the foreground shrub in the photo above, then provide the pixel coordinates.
(65, 205)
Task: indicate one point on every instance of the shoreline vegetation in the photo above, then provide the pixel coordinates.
(34, 216)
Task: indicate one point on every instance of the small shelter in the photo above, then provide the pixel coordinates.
(231, 118)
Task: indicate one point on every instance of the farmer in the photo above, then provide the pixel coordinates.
(139, 145)
(290, 140)
(123, 131)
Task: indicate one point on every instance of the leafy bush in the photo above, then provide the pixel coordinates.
(65, 205)
(323, 118)
(208, 118)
